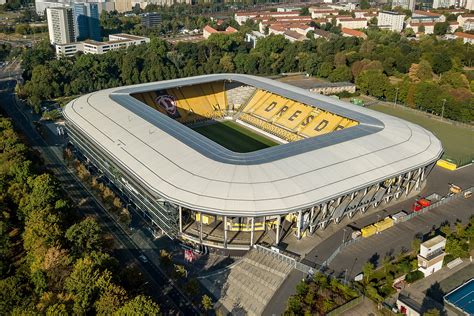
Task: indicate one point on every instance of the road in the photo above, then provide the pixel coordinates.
(174, 301)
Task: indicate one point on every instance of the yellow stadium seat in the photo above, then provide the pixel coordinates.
(324, 123)
(294, 115)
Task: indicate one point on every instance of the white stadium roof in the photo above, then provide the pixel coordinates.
(190, 170)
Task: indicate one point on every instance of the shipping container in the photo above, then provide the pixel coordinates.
(384, 224)
(368, 231)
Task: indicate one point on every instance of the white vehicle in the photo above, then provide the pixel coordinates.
(143, 258)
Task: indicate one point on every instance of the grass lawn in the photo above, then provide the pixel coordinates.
(458, 142)
(235, 137)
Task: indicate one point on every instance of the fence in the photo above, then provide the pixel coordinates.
(341, 309)
(443, 201)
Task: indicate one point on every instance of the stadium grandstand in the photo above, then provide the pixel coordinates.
(231, 160)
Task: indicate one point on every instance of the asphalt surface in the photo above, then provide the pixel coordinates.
(438, 182)
(160, 287)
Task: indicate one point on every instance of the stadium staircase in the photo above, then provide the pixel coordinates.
(252, 282)
(238, 95)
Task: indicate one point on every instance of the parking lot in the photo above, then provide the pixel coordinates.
(399, 237)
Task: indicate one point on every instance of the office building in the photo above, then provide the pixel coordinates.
(116, 41)
(150, 20)
(60, 25)
(86, 19)
(390, 20)
(430, 258)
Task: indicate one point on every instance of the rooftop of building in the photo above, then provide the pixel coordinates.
(464, 35)
(433, 241)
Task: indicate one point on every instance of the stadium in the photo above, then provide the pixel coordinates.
(230, 160)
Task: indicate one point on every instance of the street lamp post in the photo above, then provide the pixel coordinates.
(396, 95)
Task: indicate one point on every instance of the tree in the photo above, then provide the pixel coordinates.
(373, 82)
(139, 305)
(206, 303)
(432, 312)
(341, 73)
(441, 28)
(85, 236)
(441, 63)
(367, 270)
(325, 69)
(364, 4)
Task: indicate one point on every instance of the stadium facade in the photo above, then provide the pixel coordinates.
(333, 159)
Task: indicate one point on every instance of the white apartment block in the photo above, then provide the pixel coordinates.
(390, 20)
(116, 41)
(60, 25)
(464, 19)
(430, 258)
(351, 23)
(469, 5)
(42, 5)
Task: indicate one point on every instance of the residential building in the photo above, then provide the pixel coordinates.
(426, 16)
(150, 20)
(242, 17)
(253, 37)
(60, 25)
(463, 18)
(42, 5)
(468, 25)
(318, 33)
(123, 5)
(294, 36)
(351, 23)
(291, 31)
(207, 31)
(266, 22)
(466, 37)
(288, 9)
(430, 258)
(453, 26)
(408, 306)
(405, 4)
(390, 20)
(116, 41)
(86, 21)
(469, 5)
(352, 33)
(318, 13)
(422, 27)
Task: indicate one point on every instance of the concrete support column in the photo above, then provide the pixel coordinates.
(278, 230)
(225, 231)
(200, 227)
(407, 189)
(180, 209)
(311, 220)
(325, 209)
(252, 231)
(298, 225)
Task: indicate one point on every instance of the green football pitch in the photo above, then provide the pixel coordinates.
(235, 137)
(458, 141)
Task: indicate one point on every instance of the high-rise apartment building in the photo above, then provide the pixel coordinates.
(60, 25)
(150, 20)
(390, 20)
(86, 18)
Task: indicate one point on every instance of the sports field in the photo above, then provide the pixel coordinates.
(458, 142)
(235, 137)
